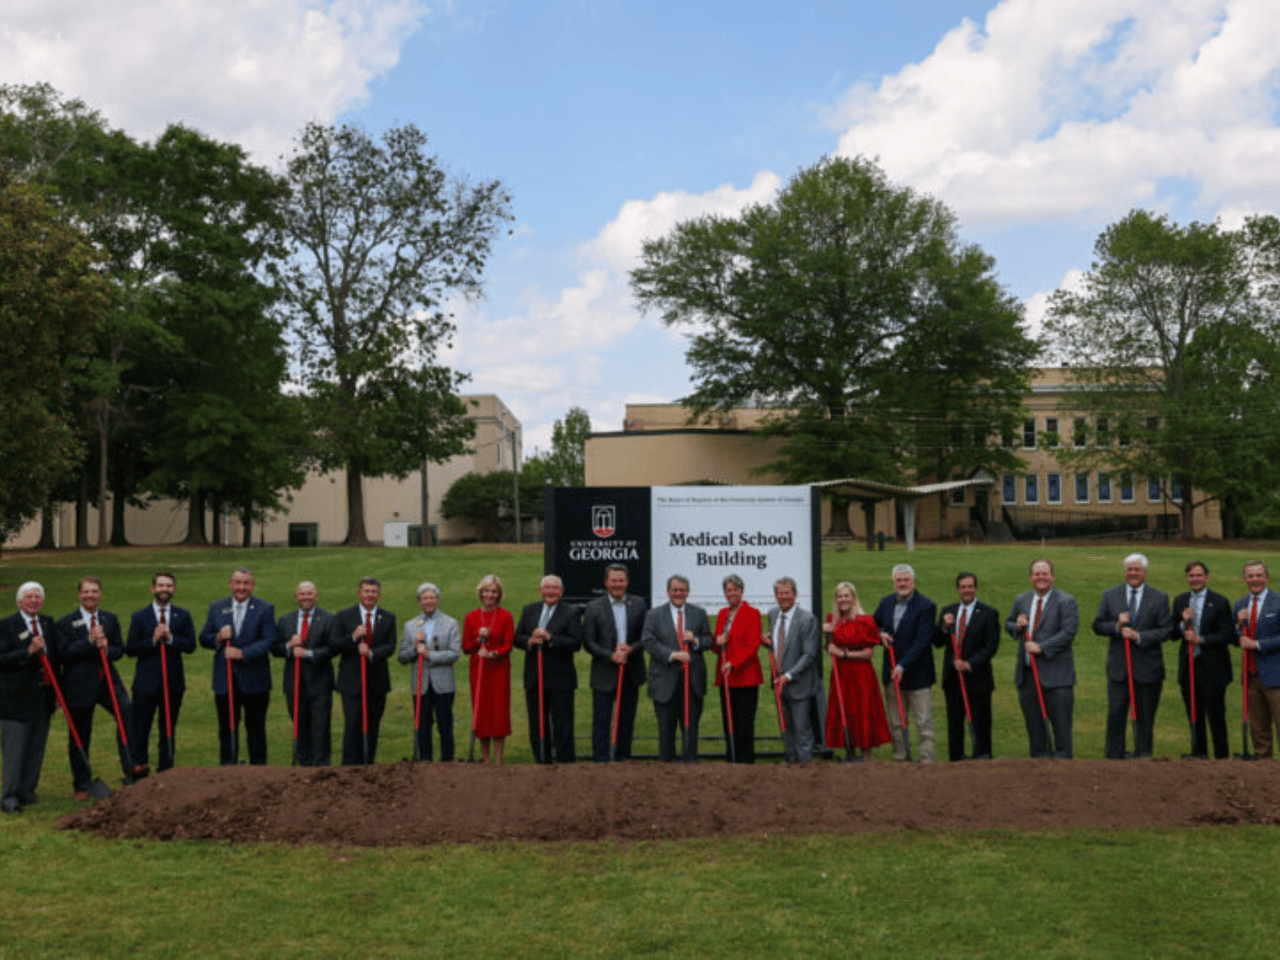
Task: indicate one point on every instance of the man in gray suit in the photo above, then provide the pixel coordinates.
(793, 635)
(1136, 612)
(611, 629)
(1044, 621)
(676, 634)
(302, 639)
(436, 638)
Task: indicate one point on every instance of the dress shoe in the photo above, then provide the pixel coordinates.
(82, 795)
(10, 805)
(140, 771)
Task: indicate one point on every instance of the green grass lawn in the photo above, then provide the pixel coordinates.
(1073, 893)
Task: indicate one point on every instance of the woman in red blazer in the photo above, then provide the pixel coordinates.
(738, 670)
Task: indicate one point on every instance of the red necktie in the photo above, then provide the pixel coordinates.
(368, 628)
(162, 617)
(306, 626)
(964, 622)
(1253, 635)
(1035, 626)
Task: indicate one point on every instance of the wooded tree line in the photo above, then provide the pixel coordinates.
(182, 322)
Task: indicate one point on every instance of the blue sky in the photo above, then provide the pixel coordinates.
(1037, 121)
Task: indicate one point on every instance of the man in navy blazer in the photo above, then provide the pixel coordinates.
(976, 626)
(364, 631)
(1136, 612)
(1202, 620)
(552, 630)
(906, 618)
(612, 626)
(302, 639)
(26, 700)
(83, 635)
(158, 626)
(1258, 625)
(241, 629)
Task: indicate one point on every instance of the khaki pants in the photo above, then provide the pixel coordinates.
(919, 707)
(1264, 712)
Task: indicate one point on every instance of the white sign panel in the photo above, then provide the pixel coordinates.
(706, 533)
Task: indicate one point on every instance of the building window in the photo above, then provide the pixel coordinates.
(1104, 488)
(1009, 489)
(1031, 488)
(1126, 430)
(1103, 437)
(1079, 433)
(1053, 439)
(1175, 488)
(1126, 487)
(1053, 488)
(1153, 488)
(1029, 434)
(1082, 488)
(957, 496)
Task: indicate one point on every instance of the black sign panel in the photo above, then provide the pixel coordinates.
(588, 528)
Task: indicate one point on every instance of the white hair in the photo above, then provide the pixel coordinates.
(1137, 558)
(29, 587)
(427, 588)
(903, 568)
(550, 578)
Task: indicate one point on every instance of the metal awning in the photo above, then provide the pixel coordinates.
(875, 491)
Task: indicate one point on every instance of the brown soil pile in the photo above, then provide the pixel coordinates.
(417, 804)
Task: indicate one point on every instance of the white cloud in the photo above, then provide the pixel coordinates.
(248, 71)
(1075, 110)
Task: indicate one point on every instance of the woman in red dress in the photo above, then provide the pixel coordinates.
(738, 665)
(487, 636)
(852, 637)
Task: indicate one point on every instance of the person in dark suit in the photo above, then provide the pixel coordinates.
(611, 629)
(1258, 626)
(1202, 619)
(671, 652)
(1044, 621)
(793, 635)
(158, 625)
(83, 635)
(976, 626)
(241, 629)
(26, 700)
(1139, 613)
(435, 637)
(906, 620)
(550, 633)
(302, 639)
(364, 631)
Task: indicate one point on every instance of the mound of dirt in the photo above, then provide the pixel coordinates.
(418, 804)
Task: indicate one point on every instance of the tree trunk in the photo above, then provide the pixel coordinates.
(47, 540)
(356, 535)
(119, 502)
(195, 520)
(104, 424)
(1188, 515)
(82, 513)
(246, 522)
(869, 517)
(839, 518)
(217, 522)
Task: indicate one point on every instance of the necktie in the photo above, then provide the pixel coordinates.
(162, 616)
(782, 635)
(239, 617)
(1133, 605)
(1035, 624)
(93, 622)
(35, 626)
(368, 627)
(964, 622)
(306, 626)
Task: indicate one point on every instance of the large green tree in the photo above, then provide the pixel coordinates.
(567, 461)
(1172, 335)
(52, 299)
(884, 344)
(380, 237)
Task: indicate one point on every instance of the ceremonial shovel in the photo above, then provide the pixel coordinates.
(97, 787)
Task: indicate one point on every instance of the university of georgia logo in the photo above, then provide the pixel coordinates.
(603, 521)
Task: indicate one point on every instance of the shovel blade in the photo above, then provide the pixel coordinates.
(98, 789)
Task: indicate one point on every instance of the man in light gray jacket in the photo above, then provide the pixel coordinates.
(793, 636)
(434, 636)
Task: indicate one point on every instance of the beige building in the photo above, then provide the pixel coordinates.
(317, 512)
(659, 446)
